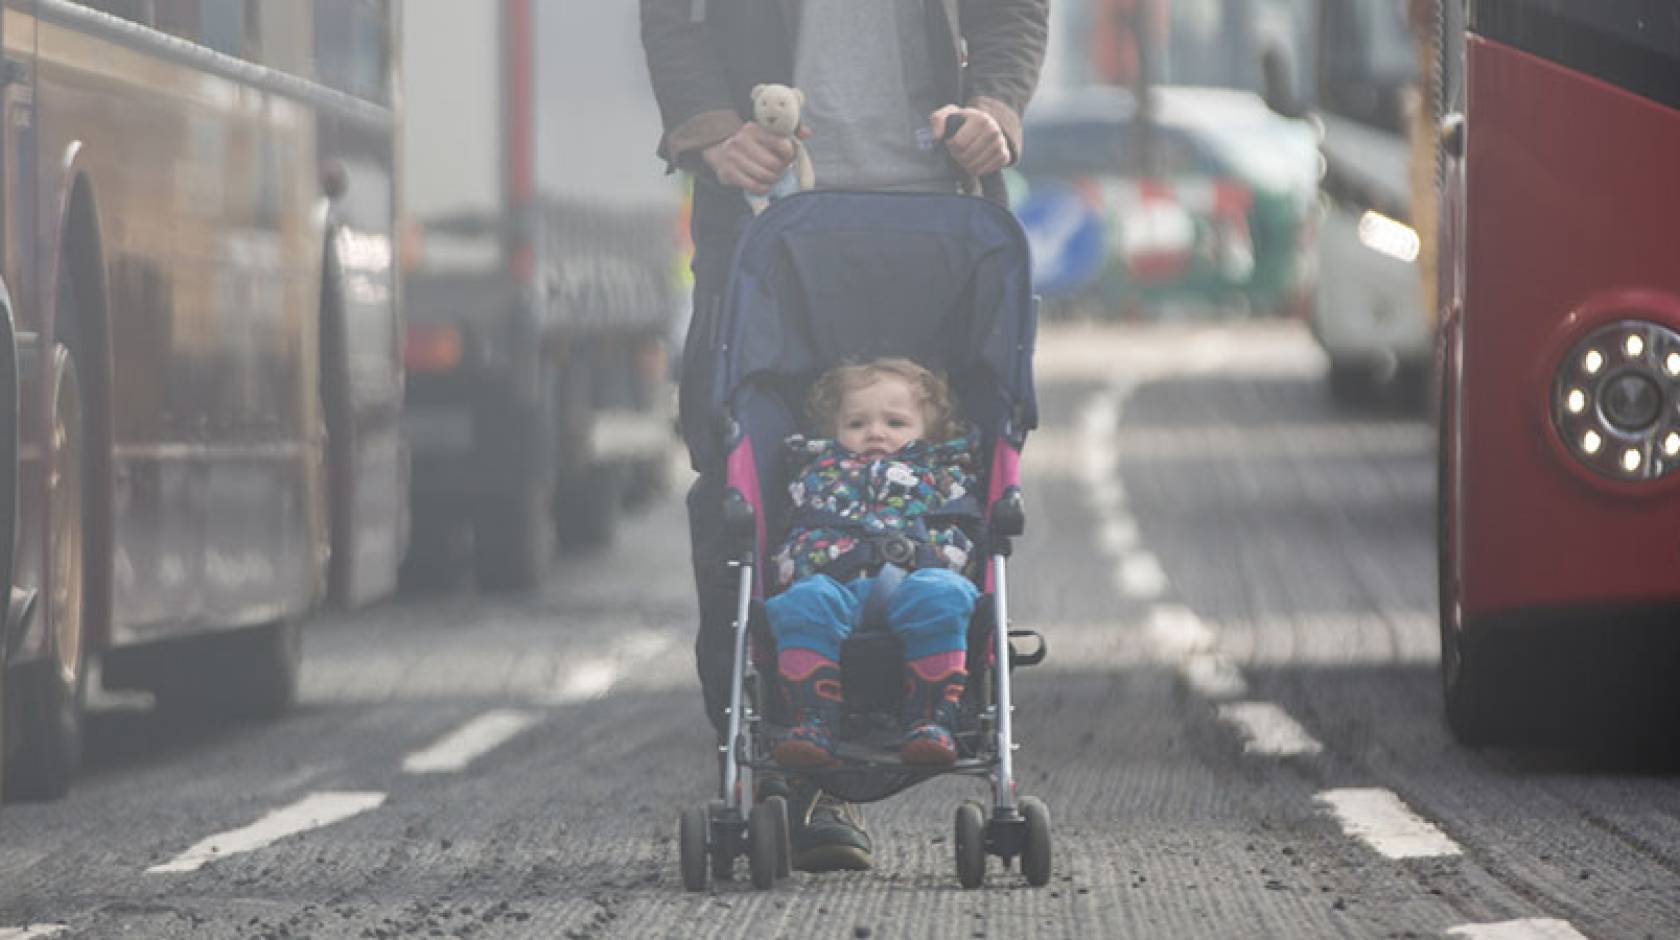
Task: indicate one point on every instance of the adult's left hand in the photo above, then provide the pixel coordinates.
(979, 146)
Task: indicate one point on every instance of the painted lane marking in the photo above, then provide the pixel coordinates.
(592, 679)
(1117, 534)
(1180, 638)
(1268, 729)
(32, 931)
(467, 743)
(1101, 461)
(1177, 632)
(1381, 820)
(1534, 928)
(1107, 496)
(312, 812)
(1213, 676)
(1141, 576)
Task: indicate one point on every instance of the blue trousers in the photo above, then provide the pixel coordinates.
(930, 611)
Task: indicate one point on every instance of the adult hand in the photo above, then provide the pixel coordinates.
(979, 146)
(752, 158)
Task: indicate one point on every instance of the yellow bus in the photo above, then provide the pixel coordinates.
(200, 350)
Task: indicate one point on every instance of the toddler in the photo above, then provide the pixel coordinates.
(889, 488)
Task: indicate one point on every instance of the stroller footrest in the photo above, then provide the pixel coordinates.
(1018, 658)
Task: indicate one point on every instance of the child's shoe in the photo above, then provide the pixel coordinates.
(812, 685)
(933, 685)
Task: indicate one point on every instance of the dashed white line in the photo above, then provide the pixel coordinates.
(1140, 575)
(1268, 729)
(32, 931)
(311, 812)
(1107, 496)
(592, 679)
(1117, 534)
(1534, 928)
(1177, 632)
(454, 751)
(1381, 820)
(1213, 676)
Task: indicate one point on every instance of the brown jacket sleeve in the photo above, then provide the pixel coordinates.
(1005, 53)
(689, 81)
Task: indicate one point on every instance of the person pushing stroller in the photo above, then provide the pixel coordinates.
(882, 524)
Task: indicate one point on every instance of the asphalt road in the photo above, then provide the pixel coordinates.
(1238, 732)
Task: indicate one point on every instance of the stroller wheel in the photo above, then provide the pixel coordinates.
(784, 845)
(971, 845)
(767, 849)
(1035, 855)
(722, 850)
(691, 847)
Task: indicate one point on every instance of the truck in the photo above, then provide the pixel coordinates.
(539, 283)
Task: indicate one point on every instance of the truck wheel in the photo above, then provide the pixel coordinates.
(586, 508)
(1350, 383)
(513, 539)
(51, 692)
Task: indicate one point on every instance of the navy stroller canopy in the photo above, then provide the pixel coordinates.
(825, 277)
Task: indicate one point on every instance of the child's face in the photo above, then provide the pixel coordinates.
(879, 418)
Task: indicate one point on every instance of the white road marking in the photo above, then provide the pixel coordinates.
(1213, 676)
(1381, 820)
(1141, 576)
(1107, 496)
(467, 743)
(1177, 632)
(1268, 729)
(312, 812)
(592, 679)
(1100, 460)
(1117, 534)
(1180, 638)
(32, 931)
(1534, 928)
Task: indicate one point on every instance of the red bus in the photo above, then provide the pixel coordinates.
(199, 337)
(1560, 355)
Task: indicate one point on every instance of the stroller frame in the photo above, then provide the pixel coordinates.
(739, 822)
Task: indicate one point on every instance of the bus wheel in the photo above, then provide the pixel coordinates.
(513, 538)
(1465, 681)
(51, 692)
(246, 673)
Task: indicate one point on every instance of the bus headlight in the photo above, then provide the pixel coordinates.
(1616, 400)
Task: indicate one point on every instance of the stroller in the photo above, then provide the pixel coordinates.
(819, 278)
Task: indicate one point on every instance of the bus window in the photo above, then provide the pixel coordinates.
(352, 52)
(1368, 62)
(140, 11)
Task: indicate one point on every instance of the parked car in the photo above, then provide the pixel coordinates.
(1223, 217)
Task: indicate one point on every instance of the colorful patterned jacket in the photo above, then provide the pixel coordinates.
(848, 508)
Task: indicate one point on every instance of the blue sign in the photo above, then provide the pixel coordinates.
(1066, 236)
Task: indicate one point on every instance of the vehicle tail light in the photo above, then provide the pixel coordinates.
(1616, 400)
(429, 348)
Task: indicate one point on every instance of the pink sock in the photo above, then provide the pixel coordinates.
(798, 664)
(936, 666)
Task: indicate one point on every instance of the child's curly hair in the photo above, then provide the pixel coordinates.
(931, 391)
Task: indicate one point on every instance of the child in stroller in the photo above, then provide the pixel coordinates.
(821, 279)
(880, 512)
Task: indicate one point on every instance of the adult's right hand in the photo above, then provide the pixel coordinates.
(752, 158)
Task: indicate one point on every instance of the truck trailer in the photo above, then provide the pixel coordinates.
(539, 283)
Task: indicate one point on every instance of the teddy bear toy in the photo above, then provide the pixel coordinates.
(776, 109)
